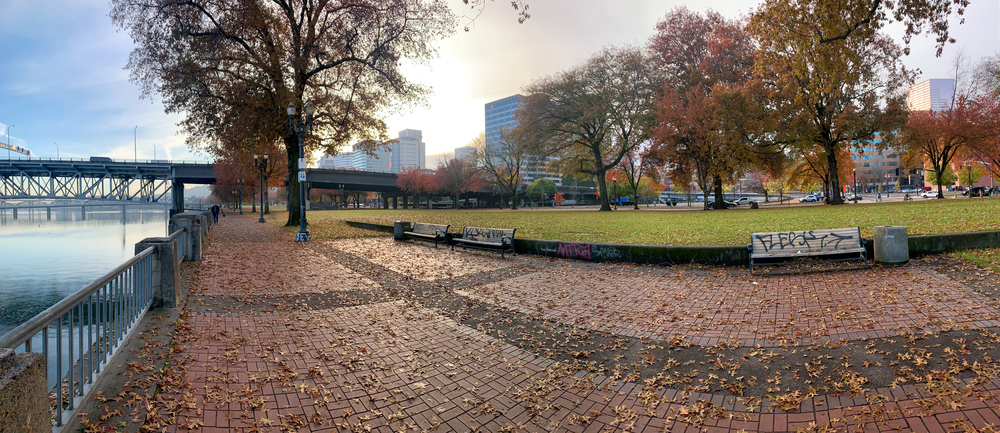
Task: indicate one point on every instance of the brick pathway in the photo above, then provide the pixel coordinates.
(402, 366)
(749, 310)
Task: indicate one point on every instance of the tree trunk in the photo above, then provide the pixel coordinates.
(831, 158)
(253, 202)
(455, 199)
(602, 186)
(720, 200)
(704, 194)
(292, 154)
(513, 201)
(635, 197)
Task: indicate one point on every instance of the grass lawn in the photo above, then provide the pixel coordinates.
(679, 227)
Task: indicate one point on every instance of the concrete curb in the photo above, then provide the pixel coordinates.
(727, 255)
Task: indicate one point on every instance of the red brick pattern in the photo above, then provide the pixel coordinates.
(748, 309)
(398, 366)
(244, 257)
(434, 263)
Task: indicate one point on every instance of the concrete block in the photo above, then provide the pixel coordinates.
(891, 245)
(167, 286)
(24, 399)
(192, 223)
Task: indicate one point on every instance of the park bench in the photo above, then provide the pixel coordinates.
(845, 242)
(430, 232)
(487, 239)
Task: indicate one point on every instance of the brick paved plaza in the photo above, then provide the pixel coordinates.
(374, 335)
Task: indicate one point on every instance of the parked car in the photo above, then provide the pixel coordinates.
(977, 191)
(743, 200)
(810, 198)
(729, 204)
(929, 194)
(855, 197)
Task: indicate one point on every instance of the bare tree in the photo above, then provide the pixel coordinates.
(503, 162)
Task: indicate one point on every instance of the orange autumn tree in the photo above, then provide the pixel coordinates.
(708, 61)
(968, 126)
(417, 181)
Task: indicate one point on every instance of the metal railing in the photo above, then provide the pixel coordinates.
(79, 335)
(181, 237)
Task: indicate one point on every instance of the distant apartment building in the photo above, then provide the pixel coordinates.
(500, 116)
(933, 94)
(343, 160)
(409, 151)
(467, 153)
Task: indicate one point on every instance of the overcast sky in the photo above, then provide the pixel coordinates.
(63, 83)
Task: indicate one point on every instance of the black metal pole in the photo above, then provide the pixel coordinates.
(241, 198)
(303, 234)
(261, 169)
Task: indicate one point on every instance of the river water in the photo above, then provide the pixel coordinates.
(42, 261)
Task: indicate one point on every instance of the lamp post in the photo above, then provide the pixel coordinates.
(8, 141)
(239, 182)
(57, 149)
(296, 127)
(154, 151)
(854, 186)
(135, 142)
(260, 163)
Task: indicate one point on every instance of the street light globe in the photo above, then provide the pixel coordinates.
(309, 109)
(290, 109)
(265, 156)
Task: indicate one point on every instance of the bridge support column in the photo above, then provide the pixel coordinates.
(385, 202)
(83, 213)
(15, 213)
(395, 202)
(406, 201)
(48, 213)
(177, 193)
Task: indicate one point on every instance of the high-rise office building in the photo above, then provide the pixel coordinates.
(933, 94)
(501, 116)
(467, 153)
(408, 151)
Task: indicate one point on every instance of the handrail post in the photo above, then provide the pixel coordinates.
(166, 272)
(192, 222)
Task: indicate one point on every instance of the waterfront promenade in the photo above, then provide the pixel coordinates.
(373, 335)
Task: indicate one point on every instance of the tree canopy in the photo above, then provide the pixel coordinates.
(594, 114)
(232, 66)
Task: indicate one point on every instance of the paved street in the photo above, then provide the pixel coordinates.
(374, 335)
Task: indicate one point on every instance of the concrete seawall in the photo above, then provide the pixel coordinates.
(729, 255)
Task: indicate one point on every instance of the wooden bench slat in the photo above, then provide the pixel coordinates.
(807, 243)
(435, 232)
(486, 238)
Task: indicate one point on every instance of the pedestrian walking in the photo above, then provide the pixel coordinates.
(215, 213)
(879, 197)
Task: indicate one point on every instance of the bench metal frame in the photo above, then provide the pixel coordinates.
(440, 235)
(804, 243)
(483, 238)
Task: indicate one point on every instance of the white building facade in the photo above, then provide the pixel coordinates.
(933, 94)
(409, 151)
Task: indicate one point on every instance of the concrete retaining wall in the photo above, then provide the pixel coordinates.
(731, 255)
(24, 399)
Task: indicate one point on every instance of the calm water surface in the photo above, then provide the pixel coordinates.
(43, 261)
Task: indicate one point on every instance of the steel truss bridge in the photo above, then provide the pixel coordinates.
(142, 181)
(146, 181)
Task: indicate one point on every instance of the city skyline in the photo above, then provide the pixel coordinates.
(65, 85)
